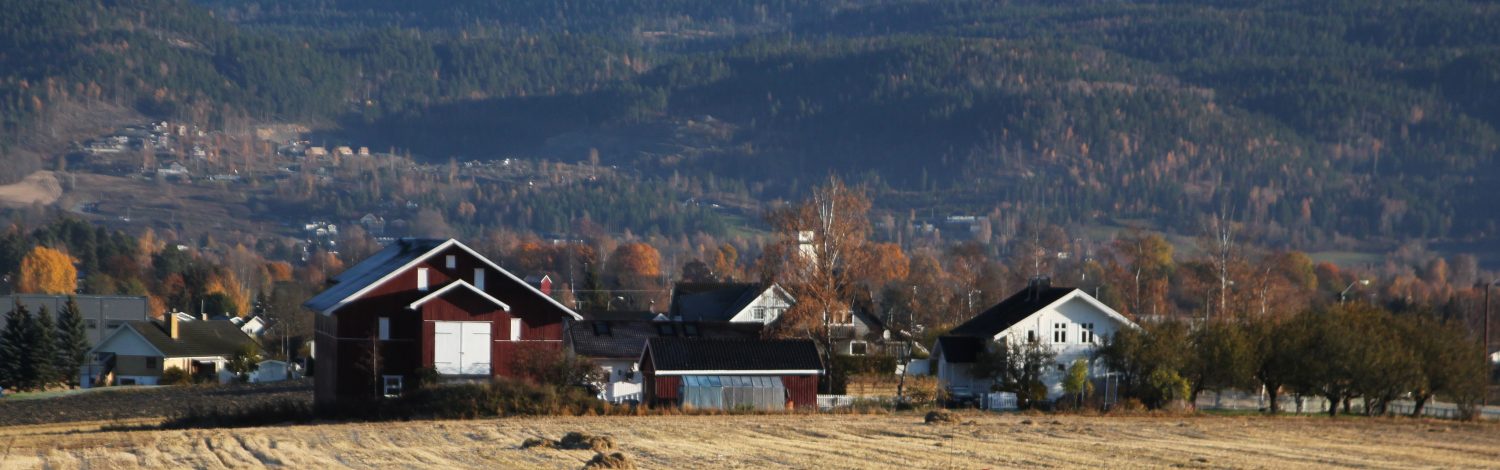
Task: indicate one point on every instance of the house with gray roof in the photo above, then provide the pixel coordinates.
(729, 302)
(1066, 320)
(139, 351)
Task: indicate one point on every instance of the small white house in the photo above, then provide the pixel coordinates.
(1067, 320)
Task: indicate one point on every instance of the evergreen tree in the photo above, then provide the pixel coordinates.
(43, 345)
(17, 370)
(8, 350)
(72, 342)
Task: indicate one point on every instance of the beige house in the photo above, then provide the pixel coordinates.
(139, 351)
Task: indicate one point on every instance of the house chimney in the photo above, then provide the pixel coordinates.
(172, 329)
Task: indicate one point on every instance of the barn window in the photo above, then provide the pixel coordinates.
(1059, 332)
(452, 262)
(392, 385)
(515, 329)
(385, 328)
(479, 278)
(422, 279)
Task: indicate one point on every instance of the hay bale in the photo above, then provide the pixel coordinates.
(537, 442)
(614, 460)
(942, 417)
(582, 440)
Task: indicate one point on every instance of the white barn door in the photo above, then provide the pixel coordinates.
(475, 357)
(446, 347)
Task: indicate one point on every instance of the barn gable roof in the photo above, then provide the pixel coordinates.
(686, 356)
(396, 258)
(459, 284)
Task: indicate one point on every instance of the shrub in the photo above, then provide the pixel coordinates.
(175, 376)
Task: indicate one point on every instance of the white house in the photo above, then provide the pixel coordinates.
(139, 351)
(729, 302)
(1067, 320)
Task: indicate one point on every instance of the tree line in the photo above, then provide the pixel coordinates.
(38, 351)
(1336, 352)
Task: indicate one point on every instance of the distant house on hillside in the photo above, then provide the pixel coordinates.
(427, 304)
(729, 302)
(1066, 319)
(616, 344)
(727, 374)
(138, 352)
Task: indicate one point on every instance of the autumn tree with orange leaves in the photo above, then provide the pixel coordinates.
(47, 271)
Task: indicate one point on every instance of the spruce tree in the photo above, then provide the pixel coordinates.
(17, 335)
(72, 343)
(43, 350)
(8, 351)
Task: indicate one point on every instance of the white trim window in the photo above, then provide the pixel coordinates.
(422, 279)
(858, 348)
(451, 262)
(1059, 332)
(515, 329)
(479, 278)
(391, 385)
(385, 328)
(1086, 333)
(759, 313)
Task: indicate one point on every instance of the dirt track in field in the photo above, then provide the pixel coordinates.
(798, 441)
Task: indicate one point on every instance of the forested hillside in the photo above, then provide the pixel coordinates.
(1375, 119)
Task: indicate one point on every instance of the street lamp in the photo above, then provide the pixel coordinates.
(1362, 282)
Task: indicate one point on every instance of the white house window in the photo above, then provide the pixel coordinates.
(858, 348)
(385, 328)
(422, 279)
(479, 278)
(1059, 332)
(1031, 336)
(452, 262)
(760, 313)
(515, 329)
(392, 385)
(1087, 333)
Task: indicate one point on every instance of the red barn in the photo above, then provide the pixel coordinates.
(427, 304)
(731, 373)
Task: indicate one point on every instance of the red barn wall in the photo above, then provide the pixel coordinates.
(344, 340)
(802, 390)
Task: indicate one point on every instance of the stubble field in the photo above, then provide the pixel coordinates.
(794, 441)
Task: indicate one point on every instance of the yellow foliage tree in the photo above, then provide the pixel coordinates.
(229, 285)
(47, 271)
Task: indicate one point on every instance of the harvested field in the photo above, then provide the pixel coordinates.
(145, 403)
(797, 441)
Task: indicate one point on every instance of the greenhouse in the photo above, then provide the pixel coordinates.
(734, 392)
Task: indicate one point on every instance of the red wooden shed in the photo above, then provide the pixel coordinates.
(731, 373)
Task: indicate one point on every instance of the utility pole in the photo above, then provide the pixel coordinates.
(1484, 342)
